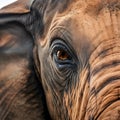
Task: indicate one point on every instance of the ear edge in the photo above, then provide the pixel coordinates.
(19, 6)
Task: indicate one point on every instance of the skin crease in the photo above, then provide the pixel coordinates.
(92, 90)
(21, 93)
(87, 87)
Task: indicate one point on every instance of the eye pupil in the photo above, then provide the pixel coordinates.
(62, 55)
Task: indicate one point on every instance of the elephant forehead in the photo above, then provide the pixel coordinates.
(94, 6)
(85, 30)
(90, 14)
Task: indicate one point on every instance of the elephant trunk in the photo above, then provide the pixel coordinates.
(104, 96)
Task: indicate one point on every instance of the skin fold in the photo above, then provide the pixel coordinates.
(21, 93)
(75, 48)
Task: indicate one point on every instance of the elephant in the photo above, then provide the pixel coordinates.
(75, 52)
(21, 93)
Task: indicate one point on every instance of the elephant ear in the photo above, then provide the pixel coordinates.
(20, 6)
(21, 94)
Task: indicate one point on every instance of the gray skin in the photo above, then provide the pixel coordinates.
(21, 93)
(76, 53)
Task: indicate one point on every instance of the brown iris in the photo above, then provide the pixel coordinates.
(62, 55)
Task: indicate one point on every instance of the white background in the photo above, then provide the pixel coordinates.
(5, 2)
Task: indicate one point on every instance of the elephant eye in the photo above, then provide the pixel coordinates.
(62, 55)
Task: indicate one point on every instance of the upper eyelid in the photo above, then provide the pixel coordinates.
(59, 43)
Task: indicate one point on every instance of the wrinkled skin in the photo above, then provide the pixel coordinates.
(21, 93)
(77, 57)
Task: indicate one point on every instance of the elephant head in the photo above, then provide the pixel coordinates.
(76, 53)
(78, 58)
